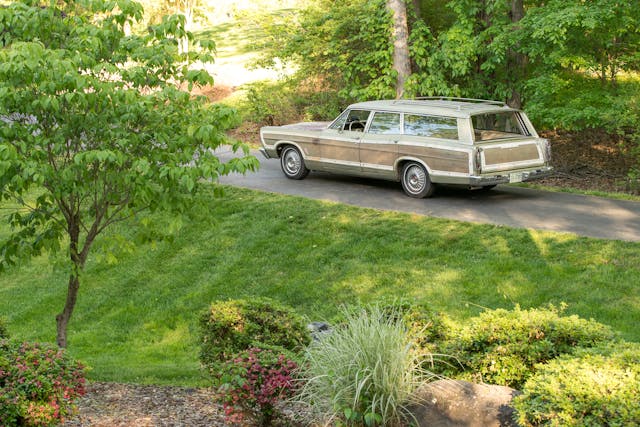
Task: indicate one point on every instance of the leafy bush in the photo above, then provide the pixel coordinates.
(38, 384)
(290, 101)
(426, 327)
(588, 390)
(233, 326)
(364, 372)
(503, 347)
(255, 379)
(271, 104)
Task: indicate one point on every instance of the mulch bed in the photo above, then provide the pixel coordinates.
(125, 405)
(120, 405)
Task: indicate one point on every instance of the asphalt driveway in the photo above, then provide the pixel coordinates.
(504, 205)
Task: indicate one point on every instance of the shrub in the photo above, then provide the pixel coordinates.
(38, 384)
(502, 346)
(590, 389)
(271, 104)
(364, 372)
(233, 326)
(426, 327)
(255, 380)
(291, 100)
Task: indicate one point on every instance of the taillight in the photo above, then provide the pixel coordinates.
(478, 161)
(546, 150)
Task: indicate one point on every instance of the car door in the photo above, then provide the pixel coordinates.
(340, 145)
(379, 144)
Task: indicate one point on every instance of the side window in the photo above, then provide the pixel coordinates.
(431, 126)
(356, 120)
(385, 124)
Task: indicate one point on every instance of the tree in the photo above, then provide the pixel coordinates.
(576, 51)
(344, 46)
(93, 129)
(517, 61)
(601, 37)
(400, 39)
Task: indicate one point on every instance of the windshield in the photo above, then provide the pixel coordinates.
(498, 125)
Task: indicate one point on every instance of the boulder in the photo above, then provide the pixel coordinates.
(452, 403)
(318, 329)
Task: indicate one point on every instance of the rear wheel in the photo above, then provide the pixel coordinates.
(415, 181)
(292, 163)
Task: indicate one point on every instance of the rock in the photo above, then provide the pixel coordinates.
(318, 329)
(449, 403)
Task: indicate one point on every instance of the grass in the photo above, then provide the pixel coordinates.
(236, 35)
(136, 319)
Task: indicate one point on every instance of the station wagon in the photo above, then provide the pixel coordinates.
(421, 143)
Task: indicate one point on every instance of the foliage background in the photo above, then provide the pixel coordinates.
(573, 64)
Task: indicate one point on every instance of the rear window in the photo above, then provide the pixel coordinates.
(431, 126)
(498, 125)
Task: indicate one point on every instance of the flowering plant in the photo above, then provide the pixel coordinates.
(38, 384)
(255, 380)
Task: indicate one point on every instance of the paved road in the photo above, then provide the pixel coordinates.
(504, 205)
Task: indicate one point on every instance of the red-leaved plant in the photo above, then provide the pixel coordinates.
(254, 381)
(38, 384)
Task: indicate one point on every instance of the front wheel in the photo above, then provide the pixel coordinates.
(415, 181)
(292, 163)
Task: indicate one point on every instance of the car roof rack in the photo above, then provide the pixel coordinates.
(453, 98)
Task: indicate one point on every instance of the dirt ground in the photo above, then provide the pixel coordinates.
(590, 160)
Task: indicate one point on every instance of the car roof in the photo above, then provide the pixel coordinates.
(460, 108)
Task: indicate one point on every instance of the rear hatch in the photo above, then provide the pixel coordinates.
(506, 142)
(509, 154)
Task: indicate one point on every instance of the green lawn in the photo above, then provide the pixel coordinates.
(136, 320)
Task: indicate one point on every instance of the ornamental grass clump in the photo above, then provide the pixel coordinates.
(363, 373)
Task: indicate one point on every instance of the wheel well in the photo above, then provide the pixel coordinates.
(400, 165)
(282, 146)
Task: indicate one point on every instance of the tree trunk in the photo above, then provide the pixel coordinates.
(517, 60)
(77, 264)
(416, 8)
(62, 319)
(401, 61)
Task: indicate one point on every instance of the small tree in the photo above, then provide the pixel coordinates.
(93, 129)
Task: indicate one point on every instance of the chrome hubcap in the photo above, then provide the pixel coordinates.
(292, 162)
(416, 179)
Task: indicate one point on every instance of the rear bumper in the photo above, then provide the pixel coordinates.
(511, 177)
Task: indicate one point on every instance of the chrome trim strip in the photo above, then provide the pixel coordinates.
(377, 167)
(334, 162)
